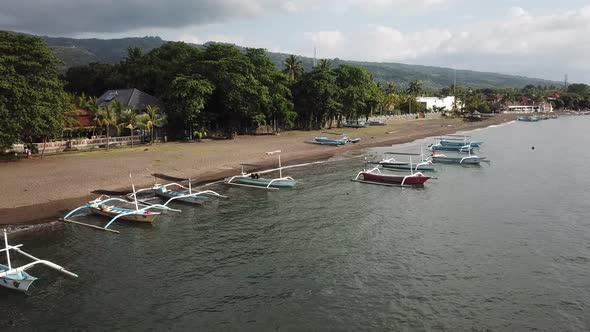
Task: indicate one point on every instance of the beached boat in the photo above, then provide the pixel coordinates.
(253, 180)
(15, 277)
(329, 141)
(423, 165)
(354, 124)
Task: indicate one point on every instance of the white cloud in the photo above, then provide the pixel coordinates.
(293, 7)
(519, 43)
(327, 40)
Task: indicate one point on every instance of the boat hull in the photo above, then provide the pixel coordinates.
(457, 160)
(328, 141)
(110, 211)
(406, 166)
(262, 182)
(460, 144)
(19, 281)
(168, 194)
(439, 147)
(413, 180)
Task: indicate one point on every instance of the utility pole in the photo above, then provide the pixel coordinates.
(314, 55)
(565, 82)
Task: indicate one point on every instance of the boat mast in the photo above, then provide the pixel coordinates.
(134, 194)
(7, 250)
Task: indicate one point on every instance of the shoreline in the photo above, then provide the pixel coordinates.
(50, 205)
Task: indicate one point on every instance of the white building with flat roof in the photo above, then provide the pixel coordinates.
(431, 102)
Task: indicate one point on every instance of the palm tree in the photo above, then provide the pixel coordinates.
(293, 67)
(108, 118)
(414, 88)
(131, 121)
(325, 64)
(150, 119)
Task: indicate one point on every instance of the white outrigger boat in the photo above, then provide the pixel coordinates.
(423, 165)
(253, 180)
(15, 277)
(177, 192)
(469, 159)
(118, 208)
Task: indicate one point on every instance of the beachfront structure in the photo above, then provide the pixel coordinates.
(129, 98)
(447, 103)
(528, 108)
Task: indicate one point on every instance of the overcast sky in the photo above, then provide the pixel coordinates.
(539, 38)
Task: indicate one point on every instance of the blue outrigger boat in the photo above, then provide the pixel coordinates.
(329, 141)
(15, 277)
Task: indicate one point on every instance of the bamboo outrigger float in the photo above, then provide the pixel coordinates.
(177, 192)
(15, 277)
(253, 180)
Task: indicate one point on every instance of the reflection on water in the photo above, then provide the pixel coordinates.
(502, 246)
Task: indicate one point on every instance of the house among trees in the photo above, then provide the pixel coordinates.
(129, 98)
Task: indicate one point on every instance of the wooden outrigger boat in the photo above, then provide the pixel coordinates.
(423, 165)
(469, 159)
(118, 208)
(375, 176)
(15, 277)
(253, 180)
(456, 144)
(459, 140)
(177, 192)
(329, 141)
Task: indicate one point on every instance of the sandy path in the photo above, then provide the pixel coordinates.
(36, 189)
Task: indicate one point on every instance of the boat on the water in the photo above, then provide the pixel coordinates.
(375, 176)
(117, 208)
(184, 194)
(459, 141)
(457, 159)
(253, 180)
(15, 277)
(392, 163)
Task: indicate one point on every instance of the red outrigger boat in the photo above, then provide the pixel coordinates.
(374, 176)
(415, 179)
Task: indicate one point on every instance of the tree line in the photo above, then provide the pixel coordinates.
(219, 88)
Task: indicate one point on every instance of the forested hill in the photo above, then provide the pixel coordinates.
(83, 51)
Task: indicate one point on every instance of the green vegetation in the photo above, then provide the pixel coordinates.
(32, 100)
(219, 89)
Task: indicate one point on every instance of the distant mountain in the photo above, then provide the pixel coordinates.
(75, 52)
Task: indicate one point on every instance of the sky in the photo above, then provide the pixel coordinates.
(536, 38)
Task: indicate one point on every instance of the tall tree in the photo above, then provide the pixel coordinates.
(415, 88)
(32, 100)
(293, 67)
(108, 119)
(186, 99)
(150, 119)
